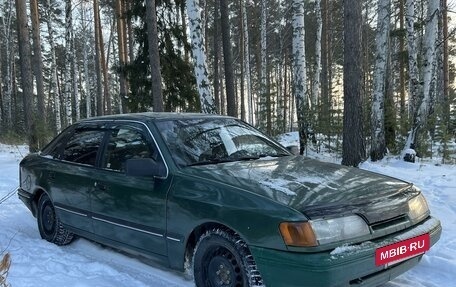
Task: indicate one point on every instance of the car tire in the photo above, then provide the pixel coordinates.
(49, 225)
(222, 258)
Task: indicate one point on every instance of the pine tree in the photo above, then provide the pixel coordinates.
(353, 145)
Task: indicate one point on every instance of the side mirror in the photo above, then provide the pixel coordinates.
(145, 167)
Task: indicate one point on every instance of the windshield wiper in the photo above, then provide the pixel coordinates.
(245, 158)
(233, 159)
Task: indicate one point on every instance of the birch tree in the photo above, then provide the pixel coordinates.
(446, 77)
(85, 32)
(378, 148)
(262, 117)
(53, 86)
(317, 64)
(414, 79)
(199, 56)
(299, 71)
(429, 67)
(69, 54)
(245, 27)
(105, 100)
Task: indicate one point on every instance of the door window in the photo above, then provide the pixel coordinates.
(125, 143)
(83, 146)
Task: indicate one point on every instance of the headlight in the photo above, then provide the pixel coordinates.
(323, 231)
(418, 208)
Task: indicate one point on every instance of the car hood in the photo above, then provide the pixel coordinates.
(315, 188)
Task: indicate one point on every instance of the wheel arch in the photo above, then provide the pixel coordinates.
(193, 238)
(35, 199)
(200, 232)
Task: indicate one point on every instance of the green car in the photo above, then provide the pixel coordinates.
(212, 196)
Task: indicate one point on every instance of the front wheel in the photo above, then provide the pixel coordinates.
(221, 258)
(49, 224)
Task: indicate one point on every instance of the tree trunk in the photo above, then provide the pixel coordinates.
(247, 77)
(87, 80)
(98, 47)
(429, 67)
(299, 72)
(38, 64)
(263, 68)
(242, 64)
(184, 28)
(199, 57)
(75, 96)
(353, 147)
(130, 32)
(325, 116)
(104, 70)
(228, 59)
(26, 73)
(54, 88)
(154, 55)
(402, 62)
(378, 148)
(414, 81)
(317, 64)
(446, 75)
(68, 60)
(7, 37)
(216, 62)
(122, 50)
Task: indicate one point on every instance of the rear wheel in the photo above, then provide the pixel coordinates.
(222, 258)
(49, 224)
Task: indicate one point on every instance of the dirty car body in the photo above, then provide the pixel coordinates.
(213, 195)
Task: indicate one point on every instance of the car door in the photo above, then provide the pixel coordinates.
(129, 210)
(70, 176)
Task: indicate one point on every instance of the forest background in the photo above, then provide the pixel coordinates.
(360, 78)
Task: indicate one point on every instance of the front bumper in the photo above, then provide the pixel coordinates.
(353, 267)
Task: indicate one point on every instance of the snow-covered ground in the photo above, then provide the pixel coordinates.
(36, 262)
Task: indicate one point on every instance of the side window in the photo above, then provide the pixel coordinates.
(82, 147)
(126, 143)
(55, 147)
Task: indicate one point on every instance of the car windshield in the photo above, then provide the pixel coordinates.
(215, 140)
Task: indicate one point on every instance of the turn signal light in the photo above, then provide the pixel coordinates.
(298, 234)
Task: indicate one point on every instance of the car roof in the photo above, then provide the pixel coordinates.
(152, 116)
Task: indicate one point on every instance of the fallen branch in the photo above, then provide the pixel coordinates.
(4, 268)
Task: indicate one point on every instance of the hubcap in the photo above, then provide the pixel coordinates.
(224, 270)
(48, 219)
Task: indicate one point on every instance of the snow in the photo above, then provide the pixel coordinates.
(36, 262)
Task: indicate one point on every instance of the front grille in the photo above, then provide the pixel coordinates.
(389, 222)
